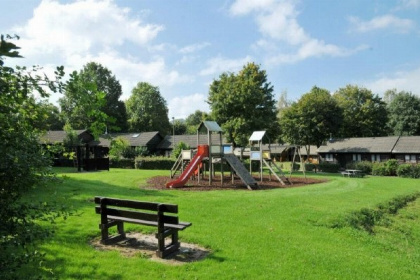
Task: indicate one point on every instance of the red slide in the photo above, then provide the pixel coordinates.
(203, 151)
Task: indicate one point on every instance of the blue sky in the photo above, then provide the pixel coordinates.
(182, 46)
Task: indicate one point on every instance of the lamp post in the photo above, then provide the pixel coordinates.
(173, 134)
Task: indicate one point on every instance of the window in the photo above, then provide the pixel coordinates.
(357, 157)
(329, 157)
(376, 158)
(410, 158)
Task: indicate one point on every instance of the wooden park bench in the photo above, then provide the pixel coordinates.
(116, 212)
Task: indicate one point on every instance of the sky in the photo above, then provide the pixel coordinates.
(182, 46)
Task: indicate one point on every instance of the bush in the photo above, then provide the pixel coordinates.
(391, 167)
(404, 170)
(379, 169)
(296, 166)
(310, 167)
(158, 163)
(329, 167)
(121, 163)
(178, 149)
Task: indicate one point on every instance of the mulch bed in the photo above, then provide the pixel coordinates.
(159, 183)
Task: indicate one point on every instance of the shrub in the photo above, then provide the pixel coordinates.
(391, 167)
(121, 163)
(310, 167)
(158, 163)
(329, 167)
(178, 149)
(364, 166)
(404, 170)
(379, 169)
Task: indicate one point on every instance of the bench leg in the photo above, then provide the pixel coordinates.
(165, 250)
(105, 239)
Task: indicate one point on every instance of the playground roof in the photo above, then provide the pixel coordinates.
(257, 136)
(210, 126)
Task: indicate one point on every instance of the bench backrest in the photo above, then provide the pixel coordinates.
(144, 210)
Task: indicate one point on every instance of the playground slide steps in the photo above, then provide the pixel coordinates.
(240, 170)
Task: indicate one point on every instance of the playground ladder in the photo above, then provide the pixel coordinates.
(282, 178)
(177, 165)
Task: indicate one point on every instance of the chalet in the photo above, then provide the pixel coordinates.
(150, 140)
(343, 151)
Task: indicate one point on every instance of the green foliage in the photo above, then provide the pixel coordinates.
(311, 120)
(119, 147)
(328, 167)
(366, 218)
(24, 164)
(364, 166)
(147, 110)
(391, 167)
(121, 163)
(195, 119)
(379, 169)
(178, 149)
(310, 167)
(154, 163)
(179, 127)
(408, 171)
(82, 104)
(404, 114)
(364, 114)
(244, 103)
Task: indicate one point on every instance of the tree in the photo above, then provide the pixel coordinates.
(82, 106)
(364, 114)
(49, 117)
(147, 110)
(404, 114)
(244, 103)
(24, 165)
(312, 119)
(195, 119)
(283, 103)
(82, 93)
(179, 127)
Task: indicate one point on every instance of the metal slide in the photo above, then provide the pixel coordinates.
(241, 171)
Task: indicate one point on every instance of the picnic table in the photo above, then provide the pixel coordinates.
(353, 173)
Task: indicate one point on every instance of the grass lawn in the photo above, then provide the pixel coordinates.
(266, 234)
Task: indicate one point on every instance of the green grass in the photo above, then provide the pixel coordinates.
(269, 234)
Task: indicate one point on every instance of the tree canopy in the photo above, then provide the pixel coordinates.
(147, 110)
(404, 114)
(364, 114)
(311, 120)
(243, 103)
(94, 88)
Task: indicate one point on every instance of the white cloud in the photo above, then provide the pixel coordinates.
(182, 107)
(403, 80)
(397, 24)
(277, 22)
(409, 4)
(218, 65)
(194, 48)
(82, 26)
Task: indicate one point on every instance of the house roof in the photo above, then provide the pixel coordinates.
(407, 144)
(58, 136)
(360, 145)
(190, 140)
(135, 139)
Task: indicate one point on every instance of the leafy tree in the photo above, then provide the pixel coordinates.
(119, 146)
(147, 110)
(179, 127)
(94, 88)
(282, 103)
(49, 117)
(24, 165)
(312, 119)
(404, 114)
(244, 103)
(194, 120)
(82, 106)
(364, 114)
(178, 149)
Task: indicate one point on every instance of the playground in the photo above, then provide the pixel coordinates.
(158, 183)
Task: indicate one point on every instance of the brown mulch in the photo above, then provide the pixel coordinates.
(159, 182)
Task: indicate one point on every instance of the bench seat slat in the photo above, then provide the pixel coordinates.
(137, 215)
(180, 226)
